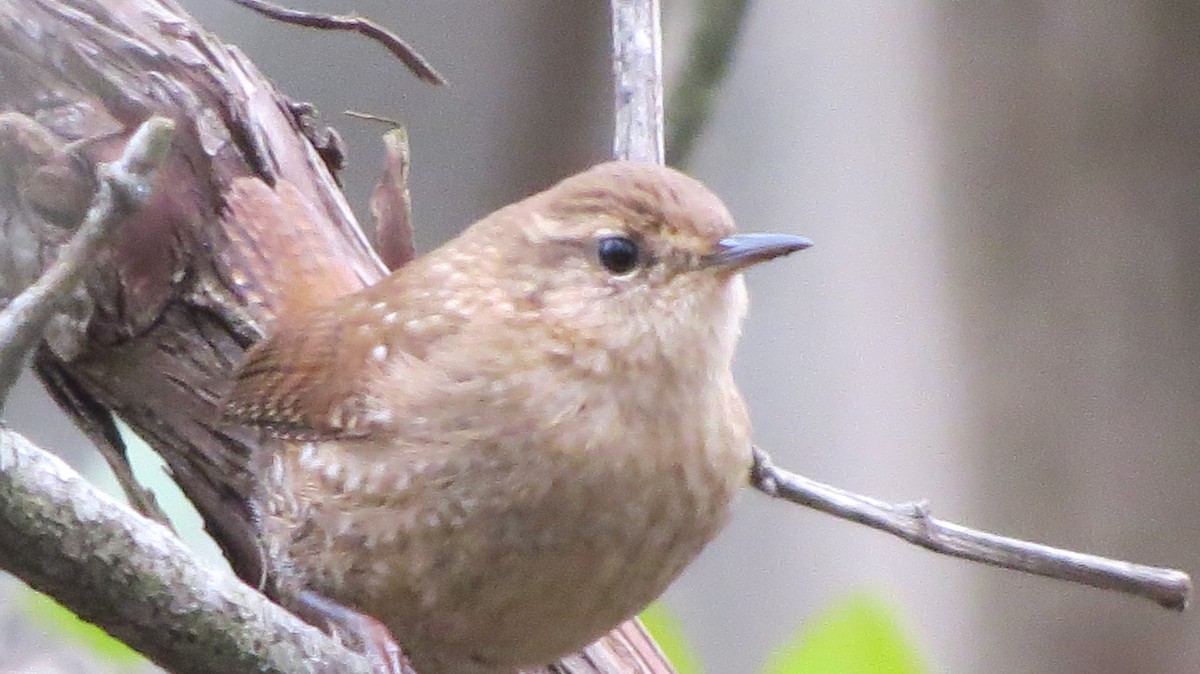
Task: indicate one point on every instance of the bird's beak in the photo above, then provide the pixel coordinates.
(742, 250)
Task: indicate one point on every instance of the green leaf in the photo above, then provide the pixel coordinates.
(44, 611)
(860, 635)
(668, 632)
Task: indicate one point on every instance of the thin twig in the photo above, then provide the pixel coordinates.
(718, 24)
(372, 117)
(637, 79)
(355, 24)
(124, 185)
(913, 523)
(133, 578)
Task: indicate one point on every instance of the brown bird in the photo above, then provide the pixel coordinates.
(517, 441)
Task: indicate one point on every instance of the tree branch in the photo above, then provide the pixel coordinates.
(355, 24)
(637, 80)
(124, 185)
(133, 578)
(913, 523)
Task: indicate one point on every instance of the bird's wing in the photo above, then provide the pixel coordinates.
(312, 379)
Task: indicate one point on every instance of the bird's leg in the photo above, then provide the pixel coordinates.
(371, 636)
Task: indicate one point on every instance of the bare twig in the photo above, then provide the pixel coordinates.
(913, 523)
(372, 117)
(355, 24)
(637, 78)
(133, 578)
(718, 24)
(124, 185)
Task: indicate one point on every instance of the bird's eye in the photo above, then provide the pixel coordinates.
(618, 254)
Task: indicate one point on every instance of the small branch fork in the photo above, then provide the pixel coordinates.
(912, 522)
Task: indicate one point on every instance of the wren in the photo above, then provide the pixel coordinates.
(515, 442)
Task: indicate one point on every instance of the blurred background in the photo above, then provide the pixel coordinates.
(1002, 312)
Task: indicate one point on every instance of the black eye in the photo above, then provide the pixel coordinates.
(618, 254)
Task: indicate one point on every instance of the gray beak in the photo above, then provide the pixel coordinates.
(742, 250)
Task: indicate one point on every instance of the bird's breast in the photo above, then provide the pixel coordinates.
(522, 538)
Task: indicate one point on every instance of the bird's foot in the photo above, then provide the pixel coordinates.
(372, 637)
